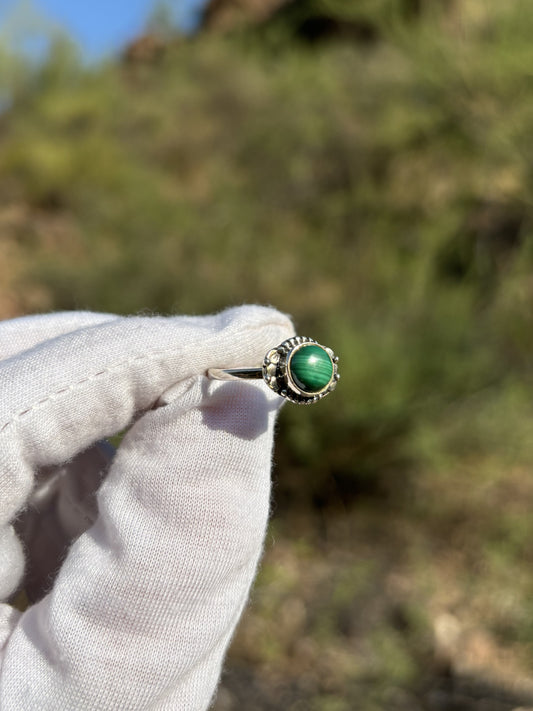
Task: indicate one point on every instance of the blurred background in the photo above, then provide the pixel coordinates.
(366, 166)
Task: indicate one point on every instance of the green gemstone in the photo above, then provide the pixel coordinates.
(311, 368)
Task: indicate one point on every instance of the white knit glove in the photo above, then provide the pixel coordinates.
(147, 599)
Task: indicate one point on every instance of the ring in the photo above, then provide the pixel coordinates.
(299, 369)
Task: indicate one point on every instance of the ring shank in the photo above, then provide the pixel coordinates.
(235, 373)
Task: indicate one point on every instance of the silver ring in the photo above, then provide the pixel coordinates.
(299, 369)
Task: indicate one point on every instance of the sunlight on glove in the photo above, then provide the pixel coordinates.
(141, 610)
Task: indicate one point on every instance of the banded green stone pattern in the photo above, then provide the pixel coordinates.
(311, 368)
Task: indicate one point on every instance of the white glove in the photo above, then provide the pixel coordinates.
(146, 601)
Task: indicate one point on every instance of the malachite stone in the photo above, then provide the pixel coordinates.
(311, 368)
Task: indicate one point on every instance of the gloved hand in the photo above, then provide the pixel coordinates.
(146, 601)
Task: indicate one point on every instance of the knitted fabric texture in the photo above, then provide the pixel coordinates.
(144, 606)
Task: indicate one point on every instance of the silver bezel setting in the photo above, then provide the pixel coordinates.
(277, 373)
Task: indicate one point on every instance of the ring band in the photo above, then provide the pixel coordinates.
(299, 369)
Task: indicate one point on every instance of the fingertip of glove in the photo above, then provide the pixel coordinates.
(253, 317)
(242, 409)
(253, 330)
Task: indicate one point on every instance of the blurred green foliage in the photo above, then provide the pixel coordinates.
(373, 180)
(379, 193)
